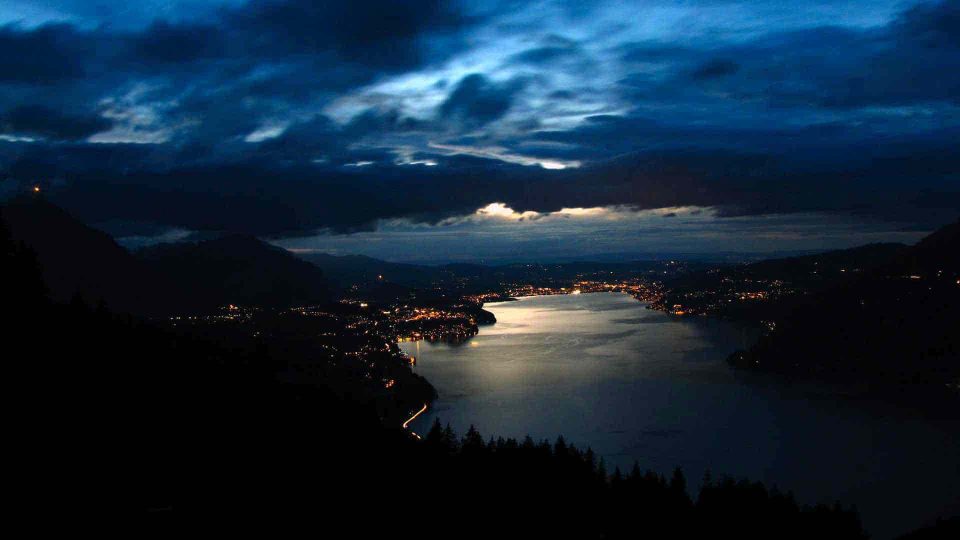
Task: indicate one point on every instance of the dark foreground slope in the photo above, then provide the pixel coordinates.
(893, 326)
(116, 418)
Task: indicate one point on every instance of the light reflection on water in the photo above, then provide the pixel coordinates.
(633, 384)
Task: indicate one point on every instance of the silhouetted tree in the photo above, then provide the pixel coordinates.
(472, 441)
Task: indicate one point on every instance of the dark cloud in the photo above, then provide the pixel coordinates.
(913, 60)
(388, 121)
(361, 39)
(41, 56)
(264, 197)
(383, 33)
(715, 68)
(562, 94)
(477, 100)
(932, 24)
(43, 122)
(164, 43)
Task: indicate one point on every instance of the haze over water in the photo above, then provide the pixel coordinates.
(634, 384)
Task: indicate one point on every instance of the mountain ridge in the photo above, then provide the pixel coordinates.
(895, 323)
(81, 261)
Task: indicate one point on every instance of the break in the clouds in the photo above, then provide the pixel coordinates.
(497, 233)
(292, 118)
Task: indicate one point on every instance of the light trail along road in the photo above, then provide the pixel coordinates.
(414, 417)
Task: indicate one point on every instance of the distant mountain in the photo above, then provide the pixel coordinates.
(856, 259)
(768, 289)
(345, 271)
(383, 281)
(78, 260)
(238, 269)
(170, 278)
(809, 271)
(938, 252)
(895, 323)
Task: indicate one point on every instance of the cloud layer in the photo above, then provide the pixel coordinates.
(287, 117)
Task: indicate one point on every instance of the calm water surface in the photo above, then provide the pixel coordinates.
(634, 384)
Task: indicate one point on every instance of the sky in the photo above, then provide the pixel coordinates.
(505, 130)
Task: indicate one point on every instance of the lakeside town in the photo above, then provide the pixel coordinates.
(455, 319)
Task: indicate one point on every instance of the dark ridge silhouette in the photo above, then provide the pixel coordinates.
(864, 258)
(940, 251)
(893, 325)
(238, 269)
(348, 270)
(79, 260)
(708, 291)
(943, 529)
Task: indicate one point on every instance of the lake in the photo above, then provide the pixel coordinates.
(637, 384)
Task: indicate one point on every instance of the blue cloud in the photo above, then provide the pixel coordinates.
(245, 115)
(477, 100)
